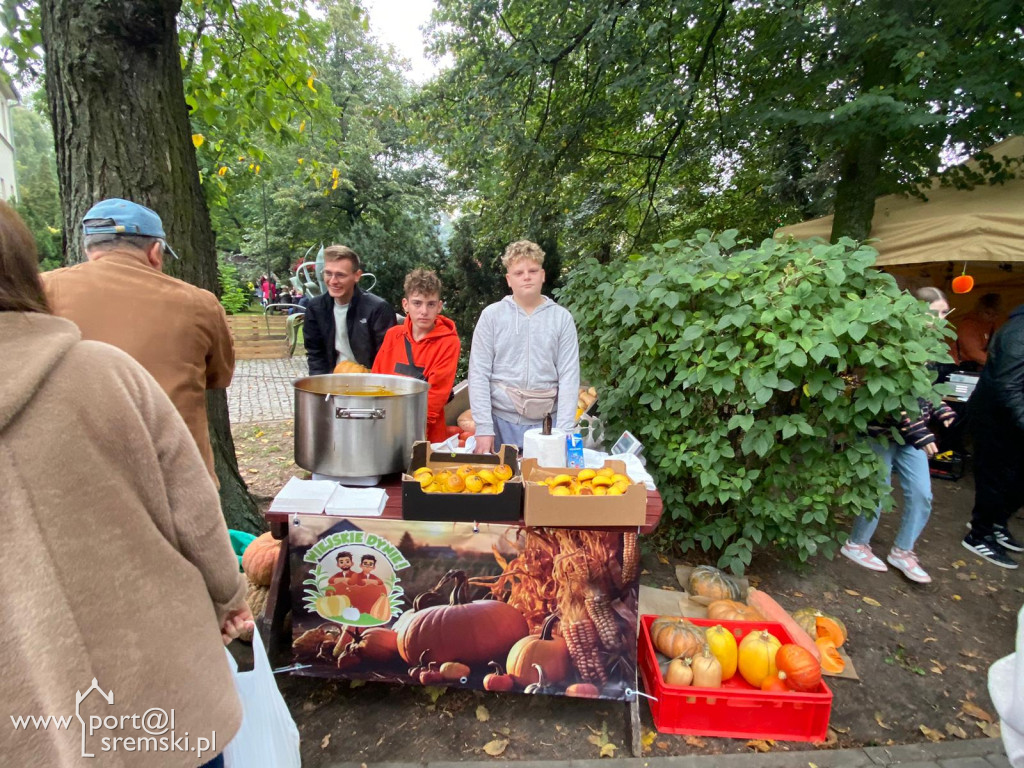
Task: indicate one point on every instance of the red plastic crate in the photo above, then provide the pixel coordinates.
(737, 709)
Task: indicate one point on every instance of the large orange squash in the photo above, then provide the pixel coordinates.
(675, 636)
(544, 650)
(831, 661)
(471, 632)
(259, 559)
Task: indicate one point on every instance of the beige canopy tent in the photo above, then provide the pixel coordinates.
(928, 242)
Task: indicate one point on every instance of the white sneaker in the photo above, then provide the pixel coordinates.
(906, 561)
(862, 555)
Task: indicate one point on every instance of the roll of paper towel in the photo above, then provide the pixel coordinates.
(548, 450)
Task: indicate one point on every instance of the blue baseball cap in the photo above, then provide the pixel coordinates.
(115, 216)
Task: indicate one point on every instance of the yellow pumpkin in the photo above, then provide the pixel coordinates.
(722, 643)
(756, 656)
(332, 605)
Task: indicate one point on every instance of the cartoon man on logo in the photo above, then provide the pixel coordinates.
(366, 565)
(337, 582)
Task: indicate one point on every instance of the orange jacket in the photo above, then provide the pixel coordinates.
(437, 354)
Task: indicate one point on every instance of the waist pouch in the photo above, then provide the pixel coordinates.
(532, 404)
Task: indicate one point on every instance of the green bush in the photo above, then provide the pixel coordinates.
(751, 376)
(233, 295)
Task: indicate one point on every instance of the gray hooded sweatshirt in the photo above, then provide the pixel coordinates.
(529, 351)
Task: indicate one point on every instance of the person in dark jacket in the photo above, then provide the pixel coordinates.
(996, 411)
(911, 463)
(344, 323)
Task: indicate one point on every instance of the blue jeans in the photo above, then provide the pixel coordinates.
(507, 433)
(912, 466)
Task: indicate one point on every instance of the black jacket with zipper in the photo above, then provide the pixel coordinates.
(368, 319)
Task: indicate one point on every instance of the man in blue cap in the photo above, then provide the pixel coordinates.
(120, 295)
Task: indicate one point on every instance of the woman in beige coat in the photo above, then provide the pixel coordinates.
(117, 579)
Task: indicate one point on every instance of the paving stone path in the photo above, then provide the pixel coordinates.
(261, 390)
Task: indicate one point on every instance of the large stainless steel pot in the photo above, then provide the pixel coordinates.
(358, 424)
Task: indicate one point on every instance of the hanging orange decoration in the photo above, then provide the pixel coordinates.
(963, 283)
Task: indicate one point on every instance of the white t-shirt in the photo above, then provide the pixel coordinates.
(341, 333)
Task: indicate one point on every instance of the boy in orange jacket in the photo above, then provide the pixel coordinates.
(426, 347)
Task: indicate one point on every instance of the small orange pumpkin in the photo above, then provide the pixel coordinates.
(259, 559)
(963, 283)
(675, 636)
(775, 684)
(732, 610)
(543, 650)
(802, 671)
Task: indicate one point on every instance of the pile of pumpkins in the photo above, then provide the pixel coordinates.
(708, 657)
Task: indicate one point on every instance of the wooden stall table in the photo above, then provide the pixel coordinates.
(441, 578)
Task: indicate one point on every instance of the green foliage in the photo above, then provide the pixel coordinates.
(751, 376)
(233, 295)
(36, 171)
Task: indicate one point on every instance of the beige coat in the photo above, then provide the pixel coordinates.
(178, 332)
(115, 561)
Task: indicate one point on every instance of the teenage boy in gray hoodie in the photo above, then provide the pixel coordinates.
(525, 358)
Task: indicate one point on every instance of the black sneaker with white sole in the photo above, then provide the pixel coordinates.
(1005, 538)
(988, 548)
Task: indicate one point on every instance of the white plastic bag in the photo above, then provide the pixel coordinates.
(1006, 687)
(268, 737)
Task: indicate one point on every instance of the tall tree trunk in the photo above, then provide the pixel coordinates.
(857, 187)
(121, 129)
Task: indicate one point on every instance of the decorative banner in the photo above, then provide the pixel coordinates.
(493, 607)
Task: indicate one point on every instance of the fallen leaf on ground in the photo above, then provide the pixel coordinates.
(872, 601)
(956, 730)
(896, 627)
(608, 750)
(356, 683)
(831, 739)
(325, 741)
(696, 741)
(662, 559)
(495, 747)
(798, 594)
(837, 729)
(878, 719)
(958, 563)
(930, 640)
(647, 738)
(645, 572)
(937, 667)
(972, 709)
(957, 597)
(761, 745)
(663, 745)
(435, 692)
(482, 714)
(968, 667)
(853, 592)
(990, 729)
(970, 654)
(668, 588)
(930, 734)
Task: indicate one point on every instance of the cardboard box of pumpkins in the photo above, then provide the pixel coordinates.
(462, 486)
(582, 498)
